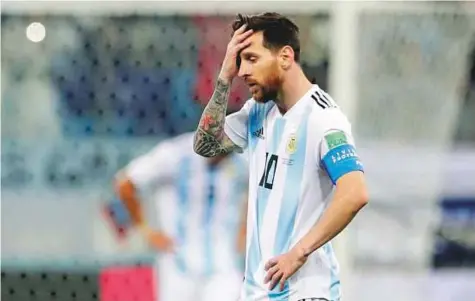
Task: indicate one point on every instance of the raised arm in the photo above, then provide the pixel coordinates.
(210, 139)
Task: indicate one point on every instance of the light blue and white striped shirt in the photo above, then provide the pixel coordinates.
(295, 160)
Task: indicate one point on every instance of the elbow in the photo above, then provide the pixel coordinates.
(199, 150)
(356, 198)
(361, 199)
(198, 147)
(352, 189)
(195, 144)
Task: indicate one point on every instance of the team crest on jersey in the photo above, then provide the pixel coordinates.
(292, 144)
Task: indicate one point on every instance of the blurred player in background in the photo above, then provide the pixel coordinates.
(201, 211)
(306, 181)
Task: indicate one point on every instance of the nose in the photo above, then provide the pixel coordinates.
(243, 70)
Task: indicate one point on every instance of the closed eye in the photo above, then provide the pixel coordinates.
(250, 58)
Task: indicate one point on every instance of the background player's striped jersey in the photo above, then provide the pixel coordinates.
(198, 205)
(294, 160)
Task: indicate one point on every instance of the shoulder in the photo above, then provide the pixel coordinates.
(176, 146)
(323, 121)
(322, 100)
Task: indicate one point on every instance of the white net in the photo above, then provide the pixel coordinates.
(412, 67)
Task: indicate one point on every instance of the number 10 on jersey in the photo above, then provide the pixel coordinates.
(268, 175)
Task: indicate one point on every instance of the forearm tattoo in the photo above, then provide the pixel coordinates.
(209, 139)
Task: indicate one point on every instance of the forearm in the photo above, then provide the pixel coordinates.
(128, 195)
(338, 215)
(208, 140)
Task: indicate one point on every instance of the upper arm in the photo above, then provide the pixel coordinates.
(352, 187)
(337, 152)
(236, 126)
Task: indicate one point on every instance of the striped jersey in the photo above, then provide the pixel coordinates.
(295, 160)
(198, 205)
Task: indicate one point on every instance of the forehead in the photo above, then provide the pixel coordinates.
(256, 45)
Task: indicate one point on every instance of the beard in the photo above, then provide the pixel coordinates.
(264, 94)
(268, 91)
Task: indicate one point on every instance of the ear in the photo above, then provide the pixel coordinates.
(286, 57)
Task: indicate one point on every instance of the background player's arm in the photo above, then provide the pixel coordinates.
(339, 159)
(210, 139)
(140, 173)
(127, 193)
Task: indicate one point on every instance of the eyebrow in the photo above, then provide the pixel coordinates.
(248, 53)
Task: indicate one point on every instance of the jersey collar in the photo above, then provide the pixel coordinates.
(300, 107)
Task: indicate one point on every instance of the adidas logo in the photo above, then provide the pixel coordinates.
(259, 133)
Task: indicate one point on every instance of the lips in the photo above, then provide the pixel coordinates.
(253, 88)
(251, 84)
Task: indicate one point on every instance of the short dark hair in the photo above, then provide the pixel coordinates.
(278, 31)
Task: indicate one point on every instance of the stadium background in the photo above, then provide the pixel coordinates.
(112, 79)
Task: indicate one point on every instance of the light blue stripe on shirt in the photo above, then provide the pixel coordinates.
(334, 279)
(290, 200)
(183, 207)
(255, 255)
(208, 217)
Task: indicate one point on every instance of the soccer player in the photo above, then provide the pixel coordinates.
(306, 181)
(199, 203)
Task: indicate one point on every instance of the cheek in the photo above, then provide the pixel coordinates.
(264, 72)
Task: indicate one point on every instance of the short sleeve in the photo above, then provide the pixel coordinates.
(337, 152)
(153, 166)
(236, 125)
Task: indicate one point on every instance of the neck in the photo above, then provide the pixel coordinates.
(293, 89)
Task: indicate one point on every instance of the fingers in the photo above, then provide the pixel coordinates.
(240, 37)
(242, 45)
(274, 274)
(276, 278)
(240, 30)
(283, 279)
(243, 36)
(163, 243)
(272, 262)
(270, 273)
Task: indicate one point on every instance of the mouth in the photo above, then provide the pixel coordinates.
(252, 87)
